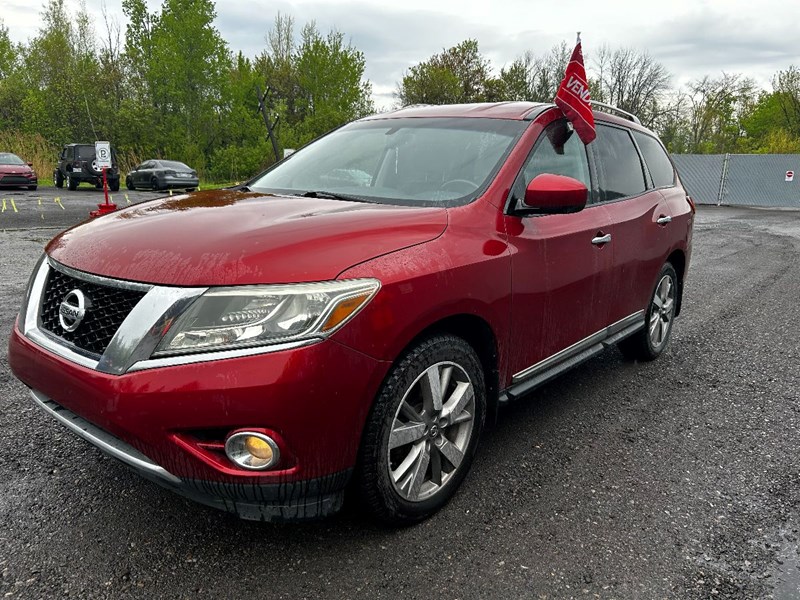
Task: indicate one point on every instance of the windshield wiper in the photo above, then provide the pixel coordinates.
(332, 196)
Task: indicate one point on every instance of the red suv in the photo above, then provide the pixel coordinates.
(353, 315)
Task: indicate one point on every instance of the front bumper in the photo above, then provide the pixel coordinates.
(314, 399)
(17, 181)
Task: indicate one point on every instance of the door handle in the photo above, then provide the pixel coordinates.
(663, 220)
(601, 239)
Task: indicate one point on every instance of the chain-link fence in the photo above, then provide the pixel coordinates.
(770, 180)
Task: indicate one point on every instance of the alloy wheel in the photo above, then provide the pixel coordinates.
(431, 431)
(662, 312)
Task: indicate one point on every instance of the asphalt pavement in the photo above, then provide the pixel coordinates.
(673, 479)
(50, 207)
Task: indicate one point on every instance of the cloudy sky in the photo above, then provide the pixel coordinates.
(691, 38)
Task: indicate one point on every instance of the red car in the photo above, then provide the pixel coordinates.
(355, 314)
(15, 172)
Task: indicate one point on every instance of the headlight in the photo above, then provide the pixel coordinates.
(23, 309)
(243, 316)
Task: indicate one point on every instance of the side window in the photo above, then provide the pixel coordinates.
(619, 163)
(656, 159)
(559, 151)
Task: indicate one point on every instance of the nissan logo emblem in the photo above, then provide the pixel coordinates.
(72, 310)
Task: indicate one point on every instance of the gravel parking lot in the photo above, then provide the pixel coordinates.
(673, 479)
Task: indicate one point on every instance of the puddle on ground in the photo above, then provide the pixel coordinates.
(787, 572)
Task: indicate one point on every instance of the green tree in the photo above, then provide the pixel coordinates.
(456, 75)
(8, 53)
(714, 110)
(241, 149)
(787, 88)
(314, 84)
(330, 75)
(60, 71)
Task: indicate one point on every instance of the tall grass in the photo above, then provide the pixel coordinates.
(32, 148)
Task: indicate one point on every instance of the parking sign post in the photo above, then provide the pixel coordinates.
(103, 160)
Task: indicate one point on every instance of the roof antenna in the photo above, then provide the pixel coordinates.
(89, 114)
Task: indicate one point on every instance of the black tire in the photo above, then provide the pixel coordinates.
(393, 503)
(154, 185)
(72, 183)
(32, 188)
(114, 186)
(59, 179)
(190, 189)
(651, 341)
(129, 183)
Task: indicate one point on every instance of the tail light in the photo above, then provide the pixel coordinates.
(691, 204)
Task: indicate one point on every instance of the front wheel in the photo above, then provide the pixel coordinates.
(154, 184)
(129, 183)
(114, 186)
(650, 342)
(422, 433)
(32, 188)
(59, 179)
(72, 183)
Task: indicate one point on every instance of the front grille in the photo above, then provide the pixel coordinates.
(14, 180)
(106, 309)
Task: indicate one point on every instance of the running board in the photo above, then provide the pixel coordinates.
(534, 376)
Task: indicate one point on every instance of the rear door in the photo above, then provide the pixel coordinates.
(635, 206)
(677, 210)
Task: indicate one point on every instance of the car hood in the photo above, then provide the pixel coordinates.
(15, 169)
(227, 237)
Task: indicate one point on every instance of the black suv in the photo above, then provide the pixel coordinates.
(78, 163)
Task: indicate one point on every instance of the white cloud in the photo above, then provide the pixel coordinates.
(690, 38)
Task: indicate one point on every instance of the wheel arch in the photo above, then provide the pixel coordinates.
(479, 335)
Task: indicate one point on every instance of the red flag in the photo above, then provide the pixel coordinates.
(573, 97)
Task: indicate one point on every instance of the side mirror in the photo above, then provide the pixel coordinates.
(549, 194)
(30, 164)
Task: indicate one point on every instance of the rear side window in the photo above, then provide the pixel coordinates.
(657, 160)
(619, 164)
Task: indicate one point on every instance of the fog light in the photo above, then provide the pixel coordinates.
(252, 450)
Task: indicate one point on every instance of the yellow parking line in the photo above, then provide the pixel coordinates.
(4, 205)
(14, 205)
(57, 200)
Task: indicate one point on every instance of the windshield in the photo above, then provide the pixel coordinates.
(416, 161)
(6, 158)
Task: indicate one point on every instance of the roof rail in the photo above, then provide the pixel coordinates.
(624, 113)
